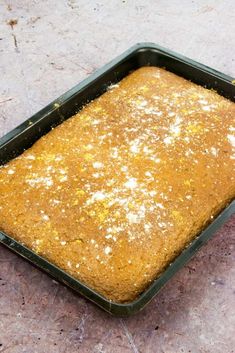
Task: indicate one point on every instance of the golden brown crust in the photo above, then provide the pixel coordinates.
(115, 192)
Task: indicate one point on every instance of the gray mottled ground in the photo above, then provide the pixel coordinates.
(45, 48)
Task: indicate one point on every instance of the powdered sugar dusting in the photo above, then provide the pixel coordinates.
(126, 177)
(40, 181)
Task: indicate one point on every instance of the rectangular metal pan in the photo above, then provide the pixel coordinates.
(22, 137)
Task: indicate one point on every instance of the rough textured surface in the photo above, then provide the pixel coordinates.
(195, 311)
(113, 194)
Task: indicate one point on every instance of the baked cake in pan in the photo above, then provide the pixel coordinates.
(114, 193)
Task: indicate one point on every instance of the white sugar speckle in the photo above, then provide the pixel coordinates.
(98, 196)
(107, 250)
(113, 85)
(148, 174)
(63, 242)
(55, 202)
(134, 148)
(141, 104)
(69, 264)
(131, 183)
(203, 101)
(96, 175)
(153, 111)
(168, 140)
(160, 205)
(147, 226)
(175, 129)
(89, 147)
(206, 108)
(45, 217)
(231, 139)
(124, 168)
(110, 236)
(157, 160)
(47, 181)
(98, 165)
(157, 75)
(147, 150)
(49, 168)
(162, 224)
(63, 178)
(133, 218)
(30, 156)
(188, 152)
(58, 158)
(114, 152)
(214, 151)
(95, 122)
(11, 171)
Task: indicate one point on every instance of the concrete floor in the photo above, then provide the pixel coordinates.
(46, 47)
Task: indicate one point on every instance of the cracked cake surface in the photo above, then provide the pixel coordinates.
(116, 192)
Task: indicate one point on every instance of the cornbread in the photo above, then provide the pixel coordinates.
(114, 193)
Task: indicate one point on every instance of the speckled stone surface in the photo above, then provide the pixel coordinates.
(45, 48)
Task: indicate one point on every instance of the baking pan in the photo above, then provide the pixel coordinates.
(22, 137)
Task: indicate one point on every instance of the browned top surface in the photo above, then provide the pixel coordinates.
(112, 194)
